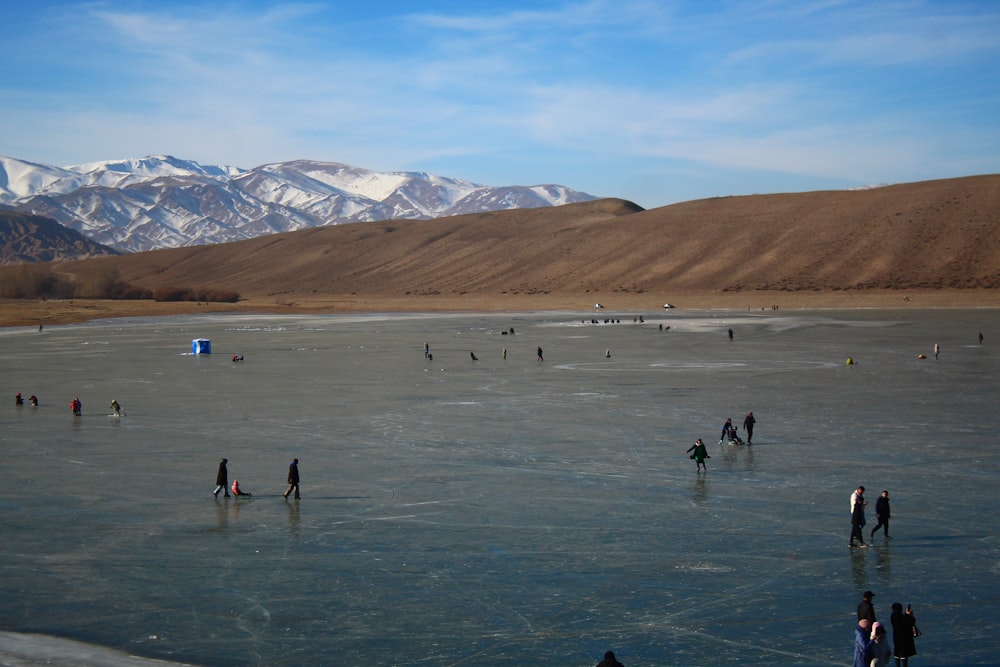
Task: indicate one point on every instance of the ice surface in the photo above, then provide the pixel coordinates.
(495, 512)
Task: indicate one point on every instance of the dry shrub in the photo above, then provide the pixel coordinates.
(169, 293)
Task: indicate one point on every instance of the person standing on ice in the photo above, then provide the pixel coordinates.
(904, 629)
(222, 479)
(862, 638)
(866, 608)
(858, 516)
(610, 660)
(700, 454)
(879, 652)
(748, 423)
(293, 479)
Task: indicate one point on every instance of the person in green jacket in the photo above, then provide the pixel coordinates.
(700, 454)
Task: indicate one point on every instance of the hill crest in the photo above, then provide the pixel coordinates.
(930, 235)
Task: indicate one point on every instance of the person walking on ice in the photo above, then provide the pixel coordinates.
(699, 455)
(858, 503)
(116, 409)
(222, 479)
(293, 479)
(882, 514)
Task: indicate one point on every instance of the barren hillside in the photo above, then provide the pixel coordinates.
(936, 234)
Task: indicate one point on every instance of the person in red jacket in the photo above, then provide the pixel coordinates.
(237, 491)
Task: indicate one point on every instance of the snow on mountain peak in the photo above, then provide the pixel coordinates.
(161, 201)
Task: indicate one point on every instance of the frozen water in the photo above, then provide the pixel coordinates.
(501, 511)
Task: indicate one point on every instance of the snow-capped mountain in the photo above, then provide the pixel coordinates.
(162, 201)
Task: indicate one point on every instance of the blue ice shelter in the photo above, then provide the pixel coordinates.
(201, 346)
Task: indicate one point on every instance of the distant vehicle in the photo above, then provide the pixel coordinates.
(598, 305)
(669, 305)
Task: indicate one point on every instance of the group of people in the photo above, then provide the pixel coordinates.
(698, 452)
(858, 521)
(75, 406)
(19, 400)
(872, 647)
(222, 481)
(731, 434)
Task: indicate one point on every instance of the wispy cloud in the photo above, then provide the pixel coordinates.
(837, 89)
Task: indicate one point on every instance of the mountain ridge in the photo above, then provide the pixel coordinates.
(139, 204)
(31, 238)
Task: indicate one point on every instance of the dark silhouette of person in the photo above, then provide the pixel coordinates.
(222, 479)
(33, 400)
(858, 517)
(293, 479)
(980, 337)
(472, 355)
(903, 631)
(540, 357)
(610, 660)
(748, 423)
(730, 334)
(866, 609)
(18, 400)
(882, 514)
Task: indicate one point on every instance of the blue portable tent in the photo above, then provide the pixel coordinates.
(201, 346)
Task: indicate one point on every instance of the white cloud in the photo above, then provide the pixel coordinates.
(832, 89)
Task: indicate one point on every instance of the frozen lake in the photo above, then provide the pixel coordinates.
(502, 511)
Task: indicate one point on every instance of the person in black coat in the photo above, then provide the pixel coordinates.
(748, 423)
(903, 632)
(882, 514)
(293, 479)
(222, 479)
(858, 519)
(610, 660)
(865, 608)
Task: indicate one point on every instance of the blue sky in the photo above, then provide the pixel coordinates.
(654, 101)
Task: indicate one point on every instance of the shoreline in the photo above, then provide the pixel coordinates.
(33, 312)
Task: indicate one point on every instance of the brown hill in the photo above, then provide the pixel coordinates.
(33, 238)
(935, 235)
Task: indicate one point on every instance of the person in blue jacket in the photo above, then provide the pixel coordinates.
(862, 639)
